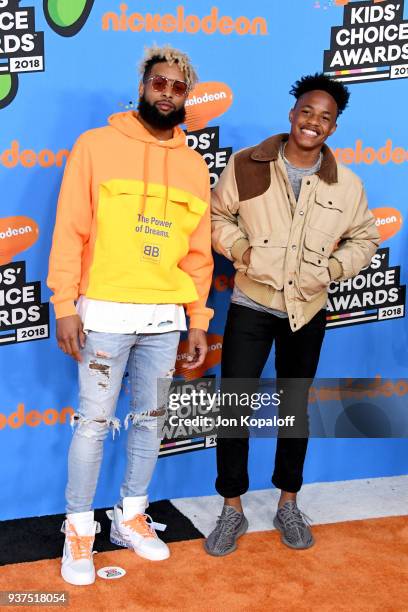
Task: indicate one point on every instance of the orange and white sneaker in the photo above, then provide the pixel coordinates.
(134, 529)
(77, 565)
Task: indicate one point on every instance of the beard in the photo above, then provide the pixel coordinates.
(151, 114)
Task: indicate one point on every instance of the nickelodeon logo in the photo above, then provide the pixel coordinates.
(207, 101)
(213, 358)
(34, 418)
(388, 221)
(368, 155)
(16, 234)
(12, 157)
(180, 22)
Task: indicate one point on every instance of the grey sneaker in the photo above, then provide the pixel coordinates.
(294, 526)
(231, 524)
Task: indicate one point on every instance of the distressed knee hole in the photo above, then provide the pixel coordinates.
(94, 427)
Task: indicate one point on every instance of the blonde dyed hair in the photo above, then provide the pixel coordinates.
(172, 56)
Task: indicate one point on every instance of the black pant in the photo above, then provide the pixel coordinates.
(248, 339)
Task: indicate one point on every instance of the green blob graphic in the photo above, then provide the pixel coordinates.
(65, 13)
(5, 86)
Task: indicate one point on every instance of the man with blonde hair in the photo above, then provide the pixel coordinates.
(131, 246)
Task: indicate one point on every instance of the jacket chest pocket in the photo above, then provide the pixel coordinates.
(327, 214)
(314, 273)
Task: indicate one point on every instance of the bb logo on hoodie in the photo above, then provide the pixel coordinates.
(151, 253)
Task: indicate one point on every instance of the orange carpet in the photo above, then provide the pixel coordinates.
(354, 566)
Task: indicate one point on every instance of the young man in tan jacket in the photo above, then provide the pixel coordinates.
(291, 220)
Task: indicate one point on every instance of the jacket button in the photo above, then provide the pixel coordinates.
(319, 261)
(322, 248)
(294, 325)
(308, 183)
(290, 282)
(293, 316)
(293, 247)
(301, 213)
(265, 241)
(330, 203)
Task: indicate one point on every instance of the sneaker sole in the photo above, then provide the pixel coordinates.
(285, 541)
(77, 582)
(117, 539)
(241, 532)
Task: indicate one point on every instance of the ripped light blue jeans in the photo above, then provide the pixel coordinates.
(104, 359)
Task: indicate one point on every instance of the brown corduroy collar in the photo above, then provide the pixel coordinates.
(268, 150)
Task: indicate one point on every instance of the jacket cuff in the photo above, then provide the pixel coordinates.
(238, 248)
(65, 309)
(335, 269)
(201, 321)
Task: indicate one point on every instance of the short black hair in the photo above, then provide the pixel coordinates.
(320, 81)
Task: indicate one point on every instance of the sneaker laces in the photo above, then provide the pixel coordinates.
(140, 525)
(80, 546)
(293, 517)
(226, 525)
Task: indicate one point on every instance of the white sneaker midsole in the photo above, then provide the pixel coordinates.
(121, 540)
(117, 538)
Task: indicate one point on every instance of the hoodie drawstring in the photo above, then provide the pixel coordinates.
(166, 180)
(145, 175)
(128, 123)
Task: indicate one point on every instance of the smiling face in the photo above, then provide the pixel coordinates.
(313, 120)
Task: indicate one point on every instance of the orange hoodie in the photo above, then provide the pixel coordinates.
(133, 222)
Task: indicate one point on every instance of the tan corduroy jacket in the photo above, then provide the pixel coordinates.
(297, 248)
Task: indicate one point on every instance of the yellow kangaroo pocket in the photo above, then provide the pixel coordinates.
(137, 249)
